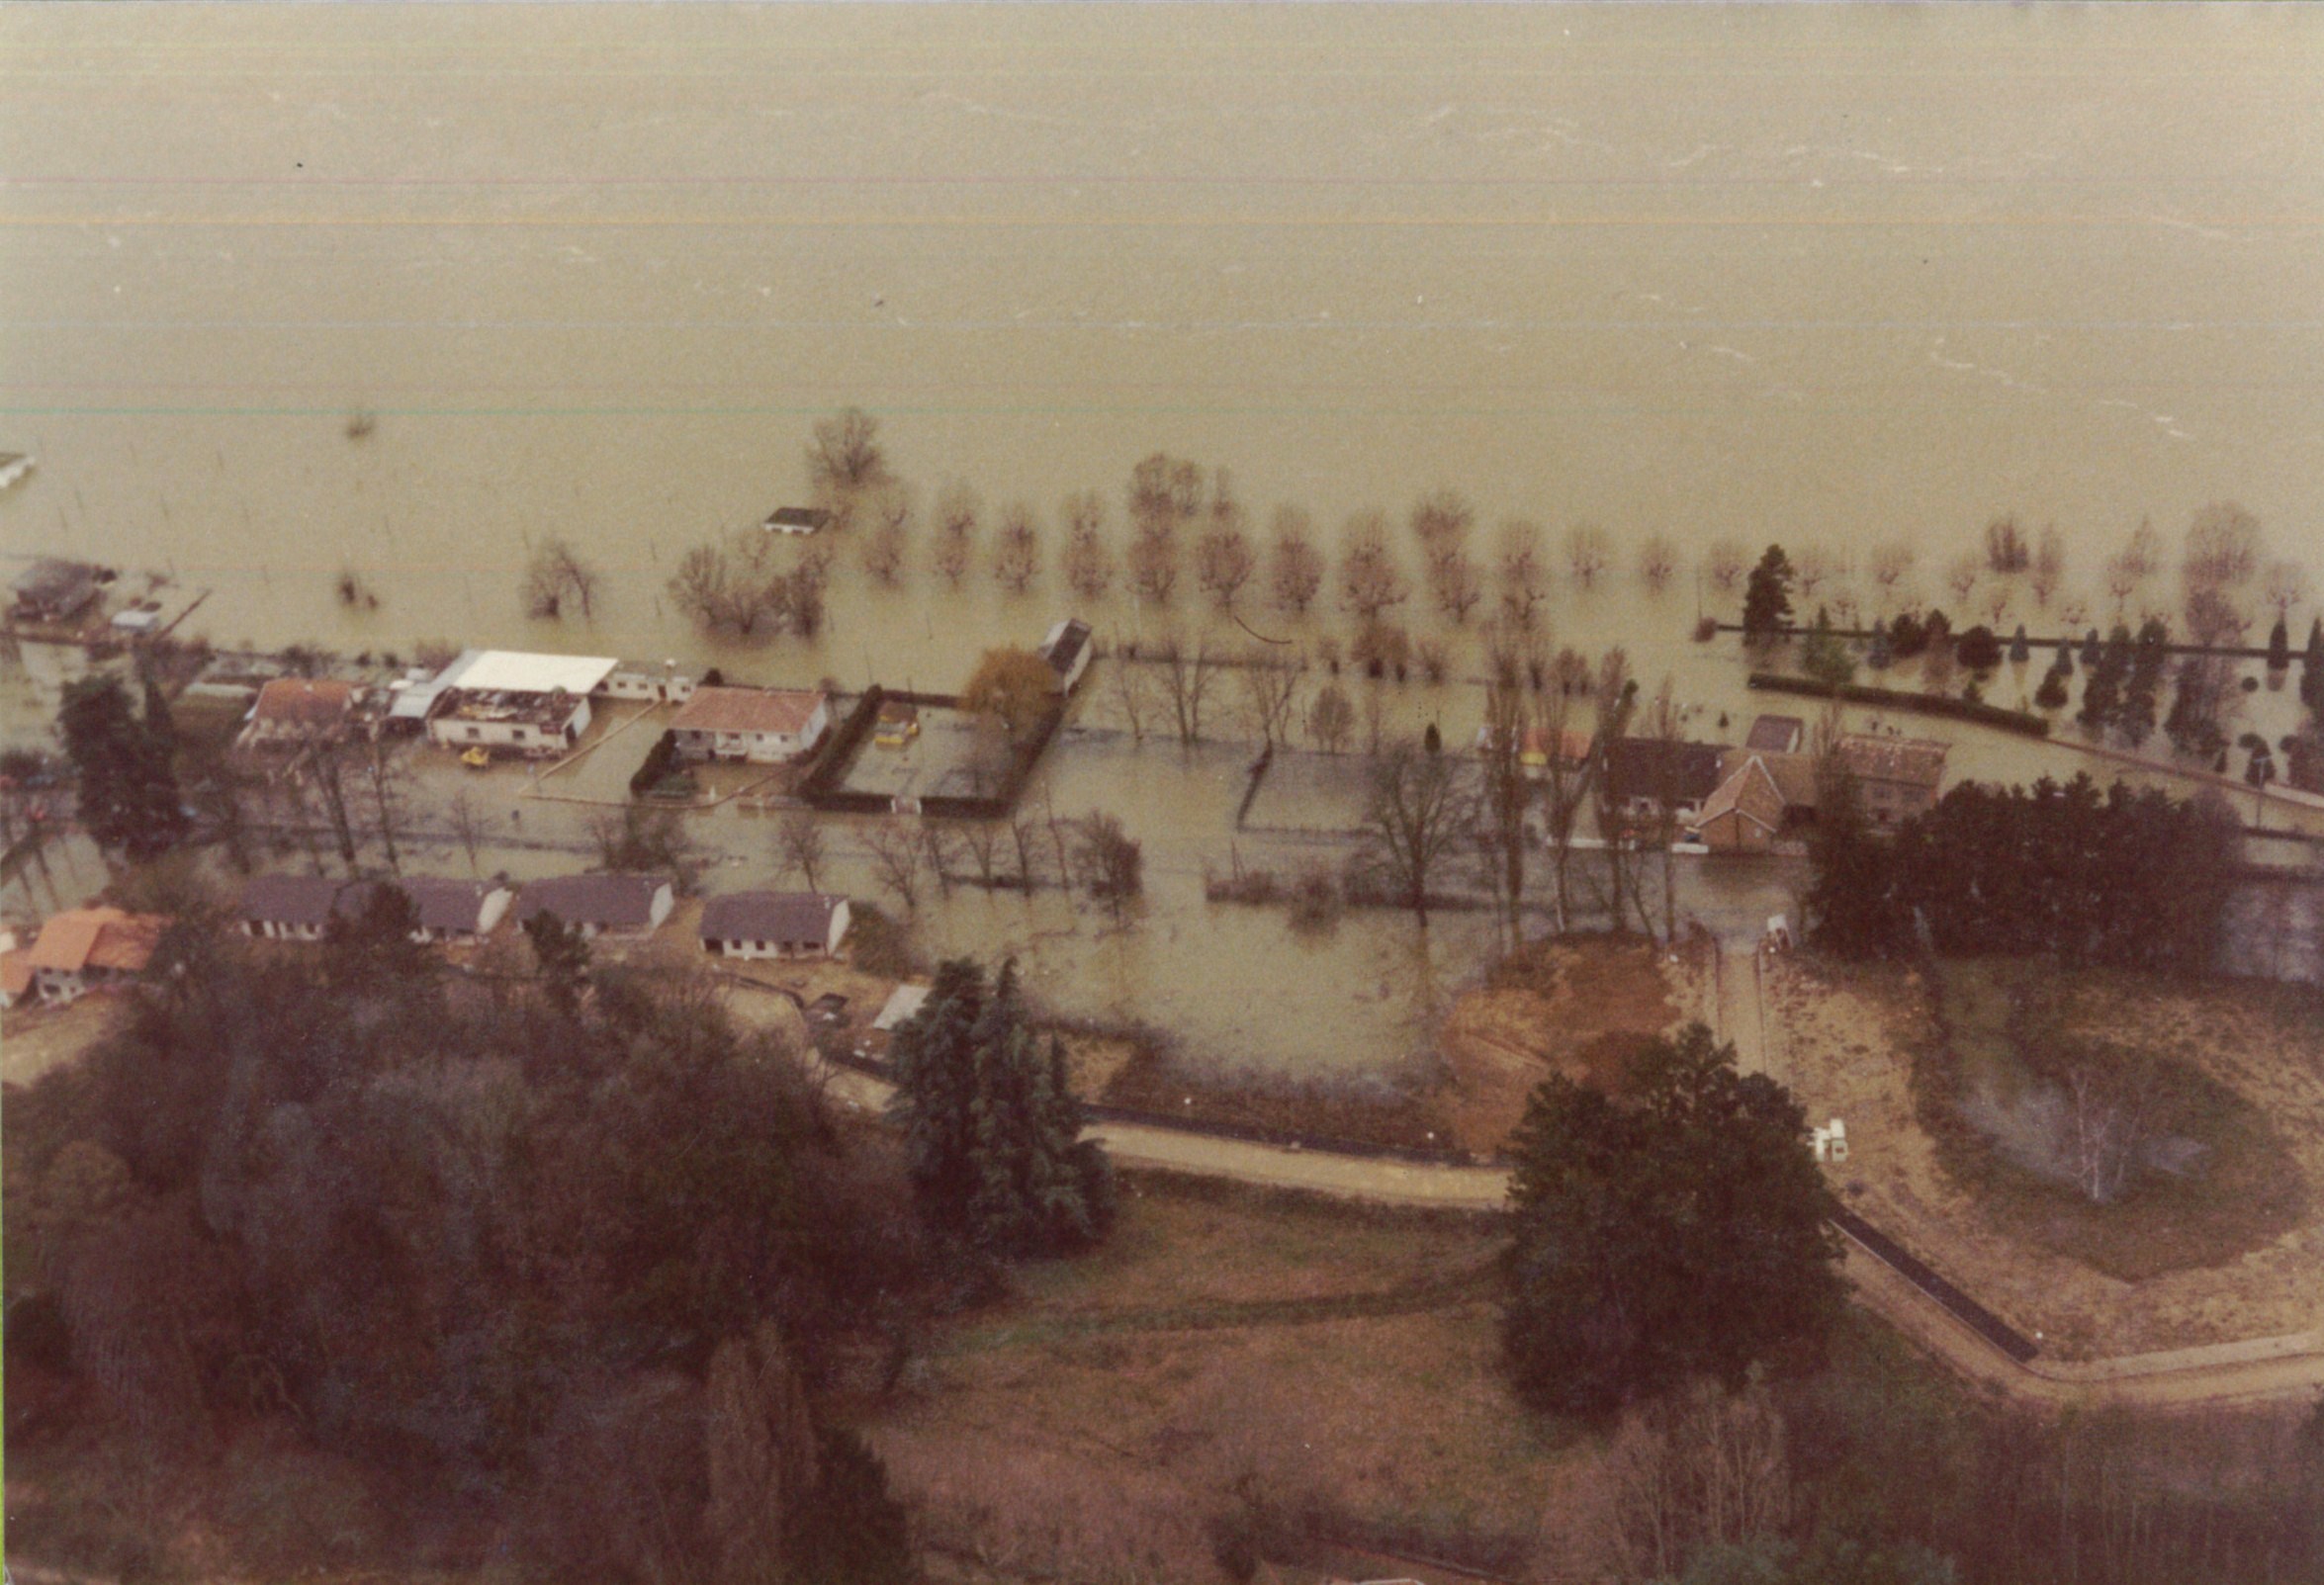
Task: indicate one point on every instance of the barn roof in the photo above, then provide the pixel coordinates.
(769, 917)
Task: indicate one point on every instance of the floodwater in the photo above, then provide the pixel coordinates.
(1834, 276)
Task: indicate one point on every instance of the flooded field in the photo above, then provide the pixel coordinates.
(364, 294)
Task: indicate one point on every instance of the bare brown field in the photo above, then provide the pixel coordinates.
(1338, 1370)
(2230, 1251)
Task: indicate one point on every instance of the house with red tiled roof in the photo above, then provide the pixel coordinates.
(84, 948)
(763, 724)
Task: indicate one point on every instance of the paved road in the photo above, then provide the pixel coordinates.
(2237, 1372)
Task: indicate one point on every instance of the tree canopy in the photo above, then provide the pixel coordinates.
(991, 1126)
(1677, 1235)
(128, 791)
(1767, 596)
(2137, 879)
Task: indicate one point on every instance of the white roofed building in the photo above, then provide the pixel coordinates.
(506, 699)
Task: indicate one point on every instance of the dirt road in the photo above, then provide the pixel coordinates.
(2281, 1368)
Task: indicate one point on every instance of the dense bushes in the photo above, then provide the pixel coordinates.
(460, 1232)
(2135, 879)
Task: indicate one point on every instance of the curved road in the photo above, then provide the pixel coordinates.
(2264, 1368)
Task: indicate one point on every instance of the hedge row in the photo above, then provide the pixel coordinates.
(2021, 722)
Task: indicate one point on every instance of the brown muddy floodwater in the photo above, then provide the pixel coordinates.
(1836, 276)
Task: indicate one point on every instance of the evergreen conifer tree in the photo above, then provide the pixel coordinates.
(992, 1127)
(1767, 598)
(128, 791)
(2279, 647)
(2312, 668)
(1880, 655)
(2020, 651)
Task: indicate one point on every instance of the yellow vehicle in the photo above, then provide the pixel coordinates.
(477, 760)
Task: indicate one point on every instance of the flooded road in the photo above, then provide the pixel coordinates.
(1833, 276)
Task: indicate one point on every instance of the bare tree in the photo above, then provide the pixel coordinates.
(1508, 791)
(468, 826)
(1369, 580)
(734, 583)
(1662, 724)
(1809, 567)
(957, 509)
(2124, 575)
(1153, 566)
(758, 1438)
(1186, 676)
(1089, 564)
(1963, 574)
(1997, 596)
(1224, 561)
(1725, 564)
(1017, 557)
(887, 548)
(1415, 816)
(897, 853)
(1271, 680)
(1524, 575)
(2006, 551)
(556, 576)
(1456, 584)
(845, 459)
(1295, 569)
(1433, 659)
(1130, 694)
(798, 841)
(2112, 1111)
(1165, 495)
(2213, 618)
(1564, 785)
(1657, 563)
(2285, 586)
(1699, 1468)
(1891, 564)
(1024, 838)
(1587, 550)
(1331, 719)
(2222, 548)
(2050, 566)
(386, 792)
(1113, 864)
(1441, 521)
(982, 839)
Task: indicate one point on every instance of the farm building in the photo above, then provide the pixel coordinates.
(1646, 774)
(1068, 649)
(763, 724)
(1897, 777)
(777, 924)
(527, 704)
(600, 904)
(797, 520)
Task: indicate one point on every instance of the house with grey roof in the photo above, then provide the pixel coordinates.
(455, 910)
(1068, 649)
(299, 908)
(777, 924)
(604, 903)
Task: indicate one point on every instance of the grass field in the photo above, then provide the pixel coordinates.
(1233, 1356)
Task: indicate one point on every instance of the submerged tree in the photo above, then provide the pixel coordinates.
(556, 576)
(1767, 598)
